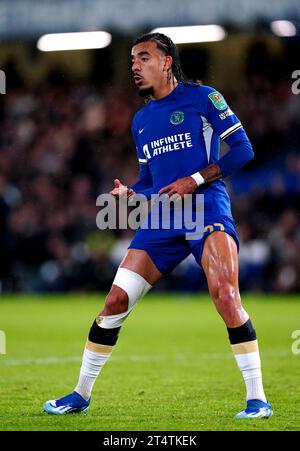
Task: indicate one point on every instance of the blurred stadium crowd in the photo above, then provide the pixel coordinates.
(62, 144)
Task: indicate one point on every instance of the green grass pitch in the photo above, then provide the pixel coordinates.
(172, 368)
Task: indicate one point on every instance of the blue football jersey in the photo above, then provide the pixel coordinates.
(179, 135)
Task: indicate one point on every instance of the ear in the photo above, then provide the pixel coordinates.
(168, 62)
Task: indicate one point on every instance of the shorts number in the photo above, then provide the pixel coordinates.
(212, 228)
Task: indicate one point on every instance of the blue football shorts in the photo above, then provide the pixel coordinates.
(167, 248)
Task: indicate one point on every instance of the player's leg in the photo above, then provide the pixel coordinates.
(220, 264)
(135, 276)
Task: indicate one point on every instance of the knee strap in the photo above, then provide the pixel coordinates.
(135, 286)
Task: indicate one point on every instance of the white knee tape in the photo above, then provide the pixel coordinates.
(135, 286)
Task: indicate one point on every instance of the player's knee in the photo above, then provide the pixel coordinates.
(128, 287)
(116, 302)
(106, 327)
(225, 296)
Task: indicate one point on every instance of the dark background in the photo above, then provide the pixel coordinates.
(65, 136)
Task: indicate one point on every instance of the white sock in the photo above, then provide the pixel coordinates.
(93, 360)
(248, 361)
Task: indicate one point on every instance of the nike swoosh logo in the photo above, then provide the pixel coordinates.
(141, 130)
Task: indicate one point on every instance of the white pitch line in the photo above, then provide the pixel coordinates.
(133, 358)
(39, 361)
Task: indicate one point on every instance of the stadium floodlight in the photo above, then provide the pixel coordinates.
(74, 41)
(283, 28)
(194, 33)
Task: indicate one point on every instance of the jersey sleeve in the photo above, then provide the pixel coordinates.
(227, 125)
(145, 183)
(222, 119)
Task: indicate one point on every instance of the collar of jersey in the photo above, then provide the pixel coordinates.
(166, 98)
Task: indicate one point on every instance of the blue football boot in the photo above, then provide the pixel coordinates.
(72, 403)
(256, 409)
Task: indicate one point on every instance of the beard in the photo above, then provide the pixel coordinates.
(146, 92)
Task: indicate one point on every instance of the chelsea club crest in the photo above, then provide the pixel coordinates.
(177, 117)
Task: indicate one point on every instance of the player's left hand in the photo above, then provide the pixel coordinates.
(186, 185)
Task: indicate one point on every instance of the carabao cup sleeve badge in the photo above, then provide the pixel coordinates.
(218, 100)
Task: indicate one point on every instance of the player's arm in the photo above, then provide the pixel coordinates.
(145, 184)
(229, 128)
(227, 125)
(121, 190)
(239, 153)
(142, 186)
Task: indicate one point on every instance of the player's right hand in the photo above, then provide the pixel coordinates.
(121, 190)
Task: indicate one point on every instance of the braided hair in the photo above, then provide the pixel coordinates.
(167, 46)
